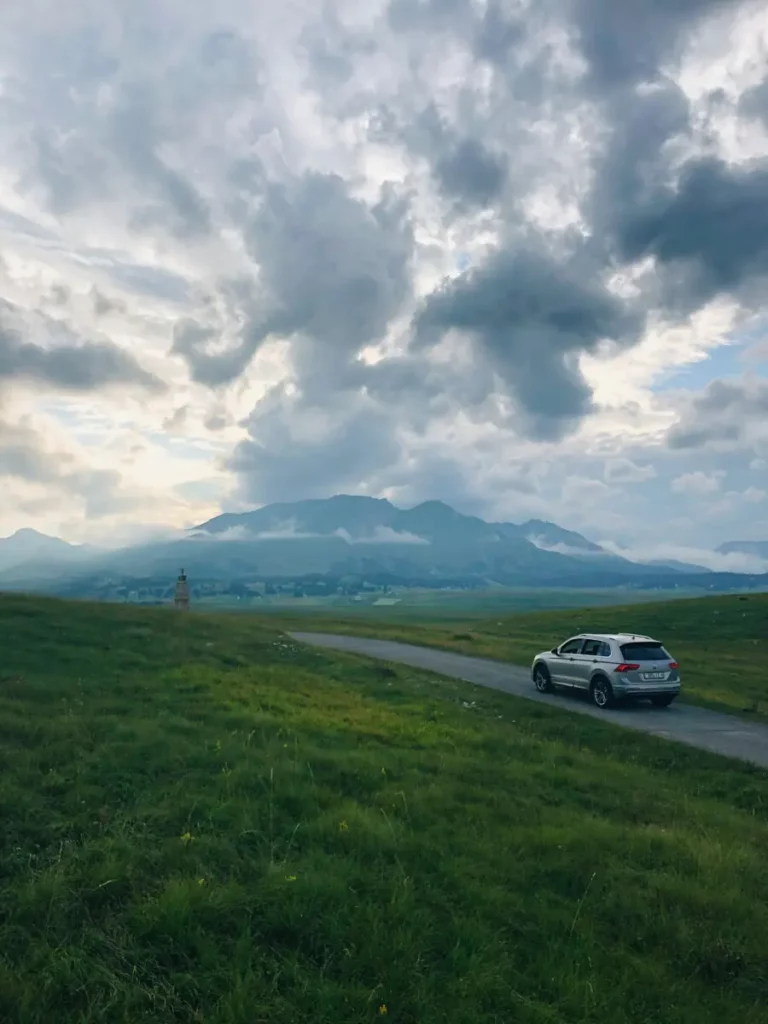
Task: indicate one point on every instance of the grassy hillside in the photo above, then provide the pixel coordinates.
(721, 642)
(204, 822)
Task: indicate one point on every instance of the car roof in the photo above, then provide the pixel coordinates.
(618, 637)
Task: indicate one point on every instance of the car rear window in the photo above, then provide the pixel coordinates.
(644, 652)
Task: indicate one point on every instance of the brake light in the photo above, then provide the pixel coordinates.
(674, 664)
(627, 668)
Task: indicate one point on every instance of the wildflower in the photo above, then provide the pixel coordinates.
(186, 838)
(383, 1011)
(201, 881)
(290, 878)
(343, 826)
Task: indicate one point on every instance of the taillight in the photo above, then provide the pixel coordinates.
(674, 664)
(626, 668)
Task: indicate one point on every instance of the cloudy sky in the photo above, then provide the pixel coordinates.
(511, 255)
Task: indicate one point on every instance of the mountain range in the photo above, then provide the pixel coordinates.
(360, 538)
(28, 547)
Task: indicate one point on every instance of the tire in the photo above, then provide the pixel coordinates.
(601, 693)
(542, 679)
(663, 700)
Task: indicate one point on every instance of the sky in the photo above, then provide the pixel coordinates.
(508, 255)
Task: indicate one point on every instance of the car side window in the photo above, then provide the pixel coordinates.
(605, 650)
(592, 648)
(571, 647)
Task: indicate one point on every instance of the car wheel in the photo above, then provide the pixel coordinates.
(542, 679)
(601, 693)
(663, 700)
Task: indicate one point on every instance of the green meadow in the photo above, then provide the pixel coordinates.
(720, 642)
(203, 821)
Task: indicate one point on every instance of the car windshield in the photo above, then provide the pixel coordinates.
(645, 651)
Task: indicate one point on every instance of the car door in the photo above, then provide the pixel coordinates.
(565, 665)
(587, 660)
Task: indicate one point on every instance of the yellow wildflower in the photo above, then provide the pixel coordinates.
(186, 838)
(290, 878)
(201, 881)
(383, 1011)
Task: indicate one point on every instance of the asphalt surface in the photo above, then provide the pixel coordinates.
(708, 730)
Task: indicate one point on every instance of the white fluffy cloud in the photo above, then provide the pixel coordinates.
(507, 255)
(697, 483)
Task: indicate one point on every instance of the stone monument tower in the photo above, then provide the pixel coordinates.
(181, 597)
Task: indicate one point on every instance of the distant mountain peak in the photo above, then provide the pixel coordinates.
(552, 535)
(26, 545)
(27, 533)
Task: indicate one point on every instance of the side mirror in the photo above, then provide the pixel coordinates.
(555, 650)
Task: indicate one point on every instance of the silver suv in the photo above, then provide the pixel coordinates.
(610, 667)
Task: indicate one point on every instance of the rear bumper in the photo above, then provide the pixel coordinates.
(645, 690)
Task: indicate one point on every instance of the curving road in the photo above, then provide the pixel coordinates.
(708, 730)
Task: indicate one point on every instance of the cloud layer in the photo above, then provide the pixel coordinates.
(507, 254)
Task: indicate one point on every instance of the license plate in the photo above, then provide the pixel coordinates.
(654, 675)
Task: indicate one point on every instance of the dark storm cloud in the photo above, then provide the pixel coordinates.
(86, 366)
(714, 225)
(633, 167)
(531, 317)
(498, 33)
(721, 413)
(332, 269)
(190, 340)
(627, 42)
(470, 172)
(623, 43)
(530, 311)
(337, 268)
(754, 102)
(465, 169)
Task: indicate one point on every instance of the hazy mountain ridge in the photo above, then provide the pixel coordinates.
(28, 546)
(351, 536)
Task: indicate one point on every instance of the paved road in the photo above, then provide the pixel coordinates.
(723, 734)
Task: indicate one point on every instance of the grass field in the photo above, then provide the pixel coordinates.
(204, 822)
(438, 605)
(721, 642)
